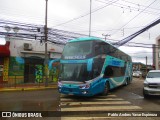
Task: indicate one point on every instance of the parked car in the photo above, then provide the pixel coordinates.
(137, 73)
(152, 83)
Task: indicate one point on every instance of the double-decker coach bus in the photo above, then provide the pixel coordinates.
(90, 66)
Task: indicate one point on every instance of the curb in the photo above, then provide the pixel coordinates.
(26, 89)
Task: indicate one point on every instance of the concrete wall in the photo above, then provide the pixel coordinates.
(17, 46)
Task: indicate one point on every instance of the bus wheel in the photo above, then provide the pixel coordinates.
(106, 89)
(127, 82)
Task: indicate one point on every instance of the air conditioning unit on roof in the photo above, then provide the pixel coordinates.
(27, 46)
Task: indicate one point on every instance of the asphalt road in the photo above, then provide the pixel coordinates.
(125, 98)
(134, 93)
(41, 100)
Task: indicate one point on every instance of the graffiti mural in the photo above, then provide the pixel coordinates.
(54, 69)
(5, 69)
(39, 73)
(16, 66)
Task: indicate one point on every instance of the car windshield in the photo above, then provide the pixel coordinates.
(74, 72)
(153, 75)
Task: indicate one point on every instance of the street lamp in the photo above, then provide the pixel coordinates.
(16, 29)
(7, 28)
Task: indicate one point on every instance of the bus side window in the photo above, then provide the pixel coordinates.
(97, 67)
(97, 49)
(108, 72)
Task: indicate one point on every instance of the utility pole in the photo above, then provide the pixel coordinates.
(46, 52)
(146, 65)
(105, 36)
(90, 18)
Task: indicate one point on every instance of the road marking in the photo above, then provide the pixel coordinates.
(86, 118)
(102, 108)
(99, 105)
(107, 118)
(110, 95)
(93, 103)
(94, 99)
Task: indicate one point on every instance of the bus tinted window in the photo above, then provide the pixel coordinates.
(97, 66)
(78, 48)
(111, 71)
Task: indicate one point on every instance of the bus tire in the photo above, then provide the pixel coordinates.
(106, 89)
(127, 82)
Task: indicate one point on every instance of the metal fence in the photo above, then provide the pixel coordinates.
(18, 81)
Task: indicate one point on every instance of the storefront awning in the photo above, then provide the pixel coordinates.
(4, 50)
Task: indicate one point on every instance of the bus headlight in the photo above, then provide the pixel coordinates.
(86, 86)
(59, 84)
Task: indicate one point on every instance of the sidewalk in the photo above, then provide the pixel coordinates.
(27, 87)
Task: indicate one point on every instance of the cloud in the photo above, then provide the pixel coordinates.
(139, 54)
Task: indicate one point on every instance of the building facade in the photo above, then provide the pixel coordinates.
(137, 66)
(22, 61)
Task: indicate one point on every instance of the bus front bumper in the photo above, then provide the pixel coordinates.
(75, 91)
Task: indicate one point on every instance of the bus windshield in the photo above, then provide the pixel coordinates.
(74, 72)
(78, 48)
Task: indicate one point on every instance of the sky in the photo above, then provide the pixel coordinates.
(115, 18)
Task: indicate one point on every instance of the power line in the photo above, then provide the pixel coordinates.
(109, 3)
(80, 17)
(55, 35)
(113, 29)
(136, 16)
(140, 5)
(129, 38)
(122, 6)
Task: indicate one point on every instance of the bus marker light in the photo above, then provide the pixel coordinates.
(59, 84)
(84, 92)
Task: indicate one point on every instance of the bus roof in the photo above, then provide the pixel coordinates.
(84, 39)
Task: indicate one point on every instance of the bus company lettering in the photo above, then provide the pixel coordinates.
(75, 57)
